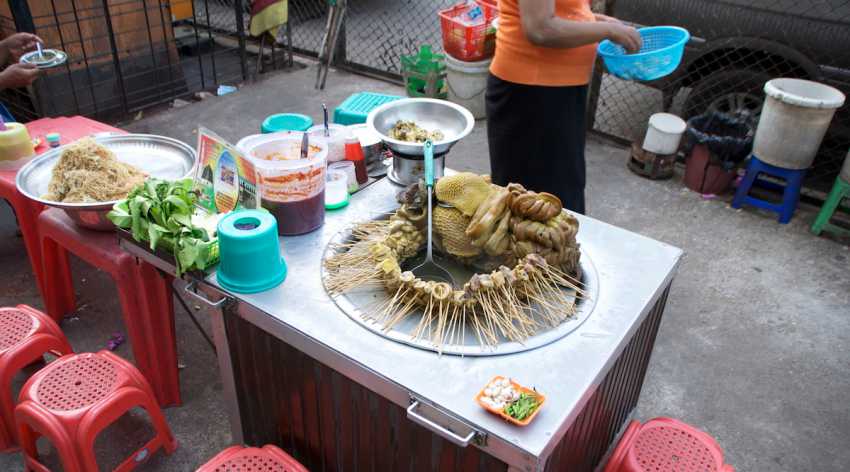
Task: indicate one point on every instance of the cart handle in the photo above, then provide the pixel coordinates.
(441, 430)
(192, 287)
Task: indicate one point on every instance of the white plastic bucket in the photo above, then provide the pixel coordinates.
(845, 169)
(467, 83)
(336, 141)
(664, 133)
(794, 119)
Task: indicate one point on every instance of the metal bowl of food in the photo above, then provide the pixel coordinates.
(444, 122)
(155, 156)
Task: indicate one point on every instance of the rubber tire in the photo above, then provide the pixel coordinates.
(721, 83)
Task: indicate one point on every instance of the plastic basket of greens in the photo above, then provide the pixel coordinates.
(164, 215)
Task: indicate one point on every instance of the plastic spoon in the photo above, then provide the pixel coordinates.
(327, 128)
(430, 270)
(40, 52)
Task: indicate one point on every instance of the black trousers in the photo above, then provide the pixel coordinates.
(536, 136)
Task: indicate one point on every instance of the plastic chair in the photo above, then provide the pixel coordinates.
(26, 335)
(74, 398)
(144, 293)
(26, 210)
(247, 459)
(840, 191)
(665, 444)
(790, 191)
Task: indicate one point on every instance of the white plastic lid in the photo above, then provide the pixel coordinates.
(804, 93)
(668, 123)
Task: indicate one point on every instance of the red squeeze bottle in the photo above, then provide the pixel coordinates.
(354, 153)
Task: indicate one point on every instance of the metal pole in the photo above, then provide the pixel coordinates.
(116, 61)
(240, 30)
(22, 15)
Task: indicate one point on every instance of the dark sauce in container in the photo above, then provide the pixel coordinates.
(298, 217)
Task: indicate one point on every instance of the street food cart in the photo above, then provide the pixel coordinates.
(300, 371)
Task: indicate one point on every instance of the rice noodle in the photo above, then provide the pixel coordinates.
(89, 173)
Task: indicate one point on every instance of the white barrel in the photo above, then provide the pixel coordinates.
(845, 169)
(794, 119)
(664, 133)
(467, 83)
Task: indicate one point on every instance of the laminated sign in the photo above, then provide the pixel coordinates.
(225, 180)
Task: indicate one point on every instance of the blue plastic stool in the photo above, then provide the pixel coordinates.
(356, 108)
(790, 191)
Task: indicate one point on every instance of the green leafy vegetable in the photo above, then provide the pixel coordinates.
(161, 212)
(523, 407)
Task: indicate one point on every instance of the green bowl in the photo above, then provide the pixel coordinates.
(250, 259)
(286, 122)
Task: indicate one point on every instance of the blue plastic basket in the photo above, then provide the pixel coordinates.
(660, 55)
(356, 108)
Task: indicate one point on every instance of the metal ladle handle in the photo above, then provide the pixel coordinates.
(429, 183)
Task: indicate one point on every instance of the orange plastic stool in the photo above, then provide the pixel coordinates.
(144, 293)
(248, 459)
(74, 398)
(665, 444)
(26, 335)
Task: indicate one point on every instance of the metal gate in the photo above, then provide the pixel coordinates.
(124, 55)
(738, 45)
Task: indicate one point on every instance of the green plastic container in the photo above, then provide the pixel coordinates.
(425, 74)
(250, 252)
(286, 122)
(356, 108)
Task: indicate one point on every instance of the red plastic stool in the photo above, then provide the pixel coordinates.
(144, 292)
(74, 398)
(26, 210)
(26, 335)
(248, 459)
(665, 444)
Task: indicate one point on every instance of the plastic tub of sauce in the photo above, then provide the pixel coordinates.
(292, 189)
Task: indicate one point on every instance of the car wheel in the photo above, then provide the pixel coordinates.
(736, 92)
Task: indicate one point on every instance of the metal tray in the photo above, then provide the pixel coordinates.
(355, 302)
(158, 156)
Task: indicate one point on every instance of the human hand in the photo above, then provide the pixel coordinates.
(20, 43)
(19, 75)
(606, 19)
(625, 36)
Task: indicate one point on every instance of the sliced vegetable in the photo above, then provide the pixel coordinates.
(162, 213)
(523, 407)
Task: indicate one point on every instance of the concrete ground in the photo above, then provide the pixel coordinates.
(753, 347)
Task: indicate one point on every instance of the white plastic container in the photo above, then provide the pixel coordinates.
(336, 189)
(346, 167)
(336, 140)
(292, 189)
(794, 119)
(467, 83)
(845, 169)
(664, 134)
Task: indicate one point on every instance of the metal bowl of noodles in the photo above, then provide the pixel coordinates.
(156, 156)
(450, 119)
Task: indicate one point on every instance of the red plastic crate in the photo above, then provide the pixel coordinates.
(494, 4)
(468, 43)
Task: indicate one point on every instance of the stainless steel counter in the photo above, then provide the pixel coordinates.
(633, 273)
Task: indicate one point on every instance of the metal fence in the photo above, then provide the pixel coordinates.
(738, 45)
(123, 55)
(145, 57)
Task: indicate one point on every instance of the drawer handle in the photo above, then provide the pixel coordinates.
(441, 430)
(192, 289)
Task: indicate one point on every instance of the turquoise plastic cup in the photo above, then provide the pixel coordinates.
(286, 122)
(250, 253)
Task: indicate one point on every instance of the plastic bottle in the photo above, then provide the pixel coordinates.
(354, 153)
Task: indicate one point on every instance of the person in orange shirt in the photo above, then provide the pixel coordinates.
(537, 93)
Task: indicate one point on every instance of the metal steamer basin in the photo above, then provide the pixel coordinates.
(301, 373)
(454, 121)
(157, 156)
